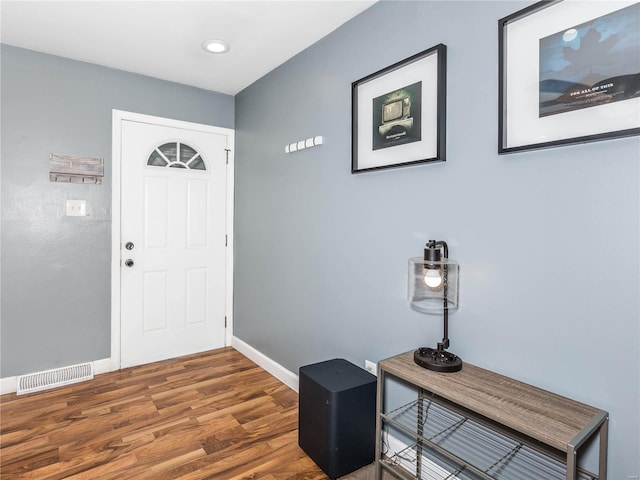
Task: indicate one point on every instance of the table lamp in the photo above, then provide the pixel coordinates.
(433, 289)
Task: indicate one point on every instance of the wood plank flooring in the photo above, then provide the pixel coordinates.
(214, 415)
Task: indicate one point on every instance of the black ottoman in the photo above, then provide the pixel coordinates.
(337, 416)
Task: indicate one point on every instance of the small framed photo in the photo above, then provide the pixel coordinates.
(569, 72)
(399, 113)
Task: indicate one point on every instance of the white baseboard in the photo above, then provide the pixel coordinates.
(287, 377)
(104, 365)
(8, 385)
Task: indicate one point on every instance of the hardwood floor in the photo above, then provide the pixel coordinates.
(214, 415)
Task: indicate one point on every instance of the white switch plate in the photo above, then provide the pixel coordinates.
(76, 208)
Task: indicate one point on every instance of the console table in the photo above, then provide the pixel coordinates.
(476, 424)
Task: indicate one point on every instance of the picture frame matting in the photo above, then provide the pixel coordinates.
(399, 113)
(568, 73)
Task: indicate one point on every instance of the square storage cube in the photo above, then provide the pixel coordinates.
(337, 416)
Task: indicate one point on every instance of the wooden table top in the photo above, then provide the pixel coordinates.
(545, 416)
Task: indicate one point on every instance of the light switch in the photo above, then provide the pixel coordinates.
(76, 208)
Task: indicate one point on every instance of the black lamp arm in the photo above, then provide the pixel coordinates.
(444, 344)
(431, 244)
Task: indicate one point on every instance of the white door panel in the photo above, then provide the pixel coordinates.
(173, 296)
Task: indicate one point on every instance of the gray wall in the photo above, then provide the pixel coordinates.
(56, 283)
(548, 241)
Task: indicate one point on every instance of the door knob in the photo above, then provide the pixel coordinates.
(128, 262)
(129, 245)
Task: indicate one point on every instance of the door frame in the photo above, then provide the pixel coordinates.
(118, 116)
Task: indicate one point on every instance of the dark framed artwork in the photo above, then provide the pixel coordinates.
(569, 72)
(399, 113)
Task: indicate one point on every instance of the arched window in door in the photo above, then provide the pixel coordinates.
(176, 155)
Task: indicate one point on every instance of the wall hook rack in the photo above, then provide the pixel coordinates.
(302, 144)
(73, 169)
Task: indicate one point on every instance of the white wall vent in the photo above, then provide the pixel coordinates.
(35, 382)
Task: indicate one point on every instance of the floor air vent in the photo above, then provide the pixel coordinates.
(35, 382)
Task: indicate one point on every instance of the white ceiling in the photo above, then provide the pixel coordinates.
(163, 39)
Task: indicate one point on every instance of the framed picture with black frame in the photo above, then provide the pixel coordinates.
(569, 72)
(399, 113)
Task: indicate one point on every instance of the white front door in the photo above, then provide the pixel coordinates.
(173, 236)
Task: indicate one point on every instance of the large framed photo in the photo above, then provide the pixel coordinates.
(569, 73)
(399, 113)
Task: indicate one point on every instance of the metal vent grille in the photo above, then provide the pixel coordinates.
(35, 382)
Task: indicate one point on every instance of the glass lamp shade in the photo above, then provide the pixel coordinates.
(431, 283)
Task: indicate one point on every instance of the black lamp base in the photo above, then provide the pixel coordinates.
(438, 361)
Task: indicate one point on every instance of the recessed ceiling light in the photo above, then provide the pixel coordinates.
(215, 46)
